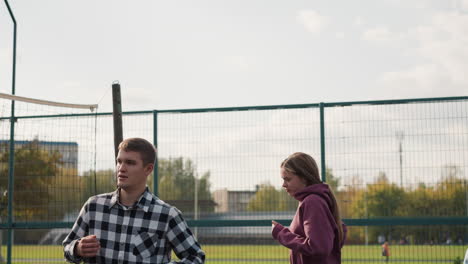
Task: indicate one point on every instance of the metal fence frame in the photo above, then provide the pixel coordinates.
(322, 106)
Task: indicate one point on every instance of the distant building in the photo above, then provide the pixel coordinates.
(68, 150)
(232, 201)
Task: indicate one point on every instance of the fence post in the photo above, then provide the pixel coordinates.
(322, 141)
(156, 164)
(12, 143)
(1, 236)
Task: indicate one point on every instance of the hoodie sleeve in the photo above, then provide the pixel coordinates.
(345, 234)
(319, 229)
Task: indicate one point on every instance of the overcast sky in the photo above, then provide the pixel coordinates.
(211, 53)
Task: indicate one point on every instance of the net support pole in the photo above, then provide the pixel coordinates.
(117, 114)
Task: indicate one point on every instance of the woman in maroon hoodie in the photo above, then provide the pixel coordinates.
(316, 234)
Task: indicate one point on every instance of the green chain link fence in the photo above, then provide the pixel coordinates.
(398, 169)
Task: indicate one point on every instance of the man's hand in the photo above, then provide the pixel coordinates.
(88, 246)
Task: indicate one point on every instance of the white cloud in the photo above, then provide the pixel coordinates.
(443, 46)
(239, 62)
(445, 42)
(312, 20)
(464, 5)
(381, 35)
(71, 85)
(5, 53)
(421, 78)
(139, 96)
(416, 4)
(359, 21)
(340, 35)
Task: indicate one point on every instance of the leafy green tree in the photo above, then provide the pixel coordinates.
(385, 199)
(348, 197)
(269, 199)
(451, 191)
(34, 172)
(286, 202)
(265, 199)
(66, 192)
(351, 206)
(101, 181)
(177, 178)
(378, 200)
(341, 196)
(332, 180)
(445, 198)
(176, 184)
(40, 186)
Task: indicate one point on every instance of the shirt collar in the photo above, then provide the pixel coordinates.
(143, 202)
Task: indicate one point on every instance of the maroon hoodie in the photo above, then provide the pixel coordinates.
(313, 234)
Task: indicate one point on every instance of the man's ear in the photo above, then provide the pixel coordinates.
(149, 168)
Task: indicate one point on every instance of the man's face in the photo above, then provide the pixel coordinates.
(131, 174)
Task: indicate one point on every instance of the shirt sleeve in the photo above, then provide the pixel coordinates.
(318, 227)
(79, 230)
(183, 242)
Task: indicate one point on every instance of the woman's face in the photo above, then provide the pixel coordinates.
(291, 182)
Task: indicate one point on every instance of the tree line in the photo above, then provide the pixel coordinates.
(447, 197)
(46, 189)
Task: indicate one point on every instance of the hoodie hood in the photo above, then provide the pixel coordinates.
(320, 189)
(313, 233)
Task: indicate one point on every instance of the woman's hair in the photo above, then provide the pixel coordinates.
(305, 167)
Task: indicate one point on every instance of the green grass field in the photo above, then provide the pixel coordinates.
(227, 254)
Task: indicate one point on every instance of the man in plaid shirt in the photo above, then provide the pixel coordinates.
(131, 225)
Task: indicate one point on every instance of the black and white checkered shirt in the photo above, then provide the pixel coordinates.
(143, 233)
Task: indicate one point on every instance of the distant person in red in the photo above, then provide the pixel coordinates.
(386, 251)
(316, 234)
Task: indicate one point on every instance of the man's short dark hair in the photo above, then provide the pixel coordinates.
(144, 147)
